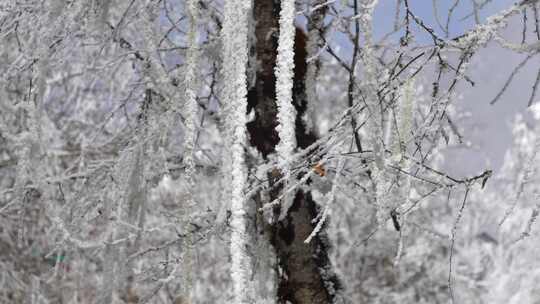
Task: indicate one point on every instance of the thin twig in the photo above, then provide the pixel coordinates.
(452, 243)
(510, 78)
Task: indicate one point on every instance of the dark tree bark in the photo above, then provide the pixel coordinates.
(307, 275)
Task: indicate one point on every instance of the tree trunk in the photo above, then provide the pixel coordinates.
(305, 271)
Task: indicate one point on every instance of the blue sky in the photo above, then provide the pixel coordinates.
(384, 14)
(487, 128)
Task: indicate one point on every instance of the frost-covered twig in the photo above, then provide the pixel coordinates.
(532, 219)
(510, 78)
(326, 210)
(525, 178)
(452, 242)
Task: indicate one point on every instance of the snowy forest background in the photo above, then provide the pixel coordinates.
(128, 175)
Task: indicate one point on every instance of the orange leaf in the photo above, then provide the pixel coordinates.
(319, 169)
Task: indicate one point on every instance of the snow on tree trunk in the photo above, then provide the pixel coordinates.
(314, 49)
(235, 47)
(304, 270)
(370, 82)
(375, 126)
(286, 115)
(404, 130)
(284, 82)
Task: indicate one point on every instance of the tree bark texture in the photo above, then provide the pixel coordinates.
(304, 270)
